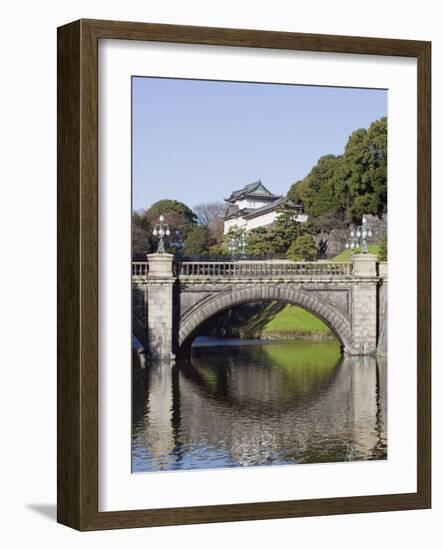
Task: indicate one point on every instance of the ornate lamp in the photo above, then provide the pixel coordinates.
(161, 230)
(359, 236)
(243, 246)
(233, 246)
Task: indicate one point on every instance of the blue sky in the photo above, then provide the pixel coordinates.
(195, 141)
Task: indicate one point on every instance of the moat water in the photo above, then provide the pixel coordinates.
(255, 403)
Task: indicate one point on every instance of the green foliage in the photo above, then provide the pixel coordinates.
(218, 249)
(197, 239)
(302, 249)
(260, 242)
(317, 191)
(349, 185)
(234, 232)
(165, 206)
(383, 250)
(265, 241)
(286, 230)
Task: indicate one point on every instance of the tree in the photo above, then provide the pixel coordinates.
(260, 242)
(209, 211)
(177, 215)
(197, 240)
(218, 249)
(141, 243)
(216, 230)
(349, 185)
(141, 234)
(316, 192)
(166, 206)
(285, 230)
(139, 218)
(302, 249)
(363, 172)
(211, 214)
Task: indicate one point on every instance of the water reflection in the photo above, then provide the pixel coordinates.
(264, 403)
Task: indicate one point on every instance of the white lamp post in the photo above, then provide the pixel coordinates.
(161, 230)
(233, 246)
(358, 240)
(243, 245)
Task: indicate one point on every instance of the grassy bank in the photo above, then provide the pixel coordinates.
(278, 321)
(345, 255)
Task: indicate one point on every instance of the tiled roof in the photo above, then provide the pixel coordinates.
(255, 189)
(231, 209)
(283, 201)
(237, 212)
(249, 213)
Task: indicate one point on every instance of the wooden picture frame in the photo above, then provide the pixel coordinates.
(78, 274)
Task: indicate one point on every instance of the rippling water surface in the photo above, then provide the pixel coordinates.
(258, 403)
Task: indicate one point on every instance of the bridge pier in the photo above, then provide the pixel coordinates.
(383, 309)
(160, 306)
(364, 305)
(139, 315)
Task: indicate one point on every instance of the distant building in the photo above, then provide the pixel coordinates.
(255, 206)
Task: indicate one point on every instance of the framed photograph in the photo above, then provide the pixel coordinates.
(243, 274)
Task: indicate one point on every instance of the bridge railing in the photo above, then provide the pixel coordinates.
(250, 269)
(262, 269)
(140, 269)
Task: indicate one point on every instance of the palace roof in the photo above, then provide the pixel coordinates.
(234, 211)
(252, 190)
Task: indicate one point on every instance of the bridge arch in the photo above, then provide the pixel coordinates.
(308, 300)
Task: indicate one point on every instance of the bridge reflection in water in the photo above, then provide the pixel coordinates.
(259, 404)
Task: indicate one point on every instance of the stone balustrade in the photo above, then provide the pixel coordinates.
(140, 269)
(251, 269)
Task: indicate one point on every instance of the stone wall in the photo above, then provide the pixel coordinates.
(337, 238)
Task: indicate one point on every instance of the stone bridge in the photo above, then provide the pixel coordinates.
(172, 300)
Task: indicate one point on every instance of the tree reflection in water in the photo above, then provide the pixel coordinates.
(264, 403)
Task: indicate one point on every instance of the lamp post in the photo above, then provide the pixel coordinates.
(243, 246)
(162, 230)
(233, 246)
(358, 237)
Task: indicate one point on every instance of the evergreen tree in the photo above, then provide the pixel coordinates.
(197, 241)
(350, 185)
(317, 191)
(166, 206)
(142, 242)
(259, 242)
(302, 249)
